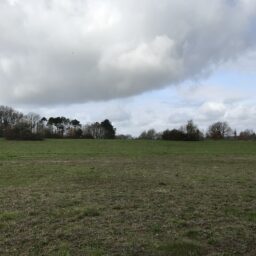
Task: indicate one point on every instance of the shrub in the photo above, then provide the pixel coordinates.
(21, 131)
(173, 135)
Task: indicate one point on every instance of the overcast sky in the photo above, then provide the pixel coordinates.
(142, 64)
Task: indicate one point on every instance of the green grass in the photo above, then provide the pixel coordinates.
(8, 216)
(77, 149)
(86, 197)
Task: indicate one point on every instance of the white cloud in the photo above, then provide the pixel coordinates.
(73, 51)
(213, 110)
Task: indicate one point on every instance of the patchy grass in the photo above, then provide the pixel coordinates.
(86, 197)
(182, 249)
(251, 216)
(8, 216)
(85, 212)
(193, 234)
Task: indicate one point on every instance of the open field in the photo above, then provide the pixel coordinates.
(86, 197)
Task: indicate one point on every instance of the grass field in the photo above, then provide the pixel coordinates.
(86, 197)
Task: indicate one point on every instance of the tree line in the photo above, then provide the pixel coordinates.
(16, 125)
(190, 132)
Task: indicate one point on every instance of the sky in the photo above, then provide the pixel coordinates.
(142, 64)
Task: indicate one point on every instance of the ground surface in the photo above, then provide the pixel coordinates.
(85, 197)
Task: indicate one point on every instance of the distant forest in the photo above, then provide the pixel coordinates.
(15, 125)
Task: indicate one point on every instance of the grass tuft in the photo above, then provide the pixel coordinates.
(8, 216)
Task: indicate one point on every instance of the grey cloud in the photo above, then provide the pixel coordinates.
(74, 51)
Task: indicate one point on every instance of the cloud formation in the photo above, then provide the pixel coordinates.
(73, 51)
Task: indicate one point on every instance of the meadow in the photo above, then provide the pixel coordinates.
(113, 197)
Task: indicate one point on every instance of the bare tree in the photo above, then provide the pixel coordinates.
(8, 118)
(33, 120)
(247, 135)
(219, 130)
(149, 135)
(192, 132)
(94, 130)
